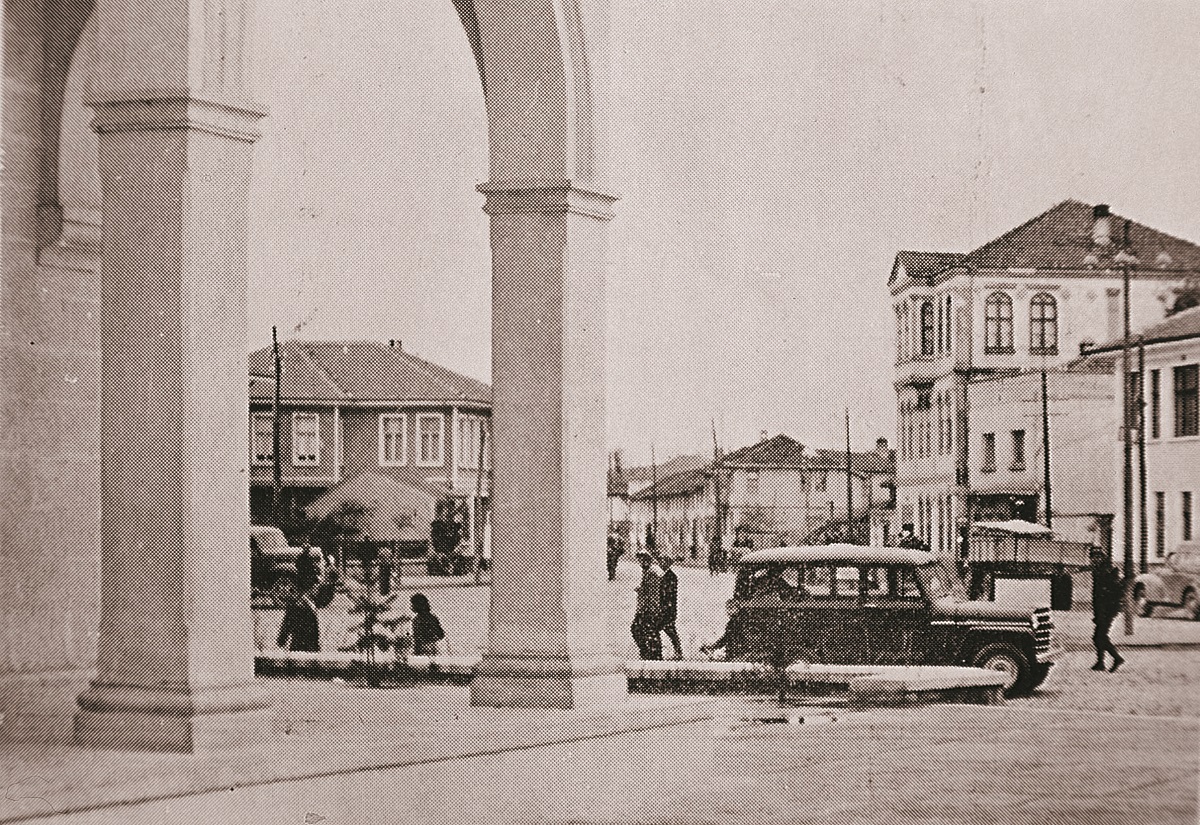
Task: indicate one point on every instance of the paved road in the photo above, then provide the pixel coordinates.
(950, 764)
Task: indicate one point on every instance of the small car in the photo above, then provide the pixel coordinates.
(1175, 584)
(850, 604)
(272, 562)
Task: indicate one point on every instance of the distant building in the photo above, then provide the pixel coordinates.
(349, 407)
(1025, 301)
(771, 493)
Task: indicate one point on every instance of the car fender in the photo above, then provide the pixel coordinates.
(978, 636)
(1156, 588)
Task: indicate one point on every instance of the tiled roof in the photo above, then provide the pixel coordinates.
(780, 451)
(875, 462)
(676, 484)
(678, 464)
(1061, 238)
(1179, 326)
(925, 264)
(347, 371)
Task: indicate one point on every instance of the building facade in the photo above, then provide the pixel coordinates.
(350, 407)
(1168, 370)
(772, 493)
(1026, 301)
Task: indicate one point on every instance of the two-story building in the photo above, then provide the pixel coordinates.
(1024, 301)
(351, 407)
(1169, 370)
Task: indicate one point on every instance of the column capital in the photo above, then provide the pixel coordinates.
(546, 198)
(231, 119)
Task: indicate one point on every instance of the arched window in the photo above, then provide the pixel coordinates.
(998, 323)
(1043, 324)
(927, 328)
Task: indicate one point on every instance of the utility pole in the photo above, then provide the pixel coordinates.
(1126, 259)
(1141, 445)
(849, 487)
(718, 525)
(480, 512)
(653, 498)
(277, 477)
(1046, 447)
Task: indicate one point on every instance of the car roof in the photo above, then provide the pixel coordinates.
(837, 554)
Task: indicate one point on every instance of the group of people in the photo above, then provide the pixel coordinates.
(316, 583)
(657, 607)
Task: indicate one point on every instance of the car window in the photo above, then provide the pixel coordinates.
(817, 579)
(845, 581)
(891, 583)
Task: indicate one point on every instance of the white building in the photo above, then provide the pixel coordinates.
(1025, 301)
(1171, 378)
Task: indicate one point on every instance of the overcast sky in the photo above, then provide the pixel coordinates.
(772, 158)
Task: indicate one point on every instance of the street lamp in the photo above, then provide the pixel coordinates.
(1127, 261)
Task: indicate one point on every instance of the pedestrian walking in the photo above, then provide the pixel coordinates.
(669, 605)
(614, 554)
(1108, 588)
(427, 633)
(300, 627)
(647, 613)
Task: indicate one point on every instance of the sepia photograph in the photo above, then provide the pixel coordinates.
(599, 412)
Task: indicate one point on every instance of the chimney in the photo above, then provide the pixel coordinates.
(1102, 227)
(881, 445)
(762, 435)
(394, 343)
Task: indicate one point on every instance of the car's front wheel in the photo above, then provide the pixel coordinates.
(1008, 659)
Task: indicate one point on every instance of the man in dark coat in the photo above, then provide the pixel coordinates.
(647, 620)
(669, 588)
(1108, 589)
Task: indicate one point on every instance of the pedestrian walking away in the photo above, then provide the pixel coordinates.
(300, 627)
(1108, 588)
(427, 633)
(669, 605)
(647, 620)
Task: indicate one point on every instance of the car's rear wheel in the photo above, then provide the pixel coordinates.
(1141, 602)
(1008, 659)
(1191, 603)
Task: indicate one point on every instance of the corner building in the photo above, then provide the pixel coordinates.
(1025, 301)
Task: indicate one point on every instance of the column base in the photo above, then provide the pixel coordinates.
(511, 682)
(126, 718)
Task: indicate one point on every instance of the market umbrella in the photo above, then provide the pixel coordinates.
(385, 510)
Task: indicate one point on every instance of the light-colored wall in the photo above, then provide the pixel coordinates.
(49, 404)
(1082, 430)
(1172, 462)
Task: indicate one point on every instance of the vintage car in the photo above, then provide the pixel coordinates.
(272, 562)
(1175, 584)
(848, 604)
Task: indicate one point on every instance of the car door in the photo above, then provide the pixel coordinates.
(896, 615)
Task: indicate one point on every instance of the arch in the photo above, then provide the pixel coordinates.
(1043, 324)
(542, 66)
(64, 56)
(998, 323)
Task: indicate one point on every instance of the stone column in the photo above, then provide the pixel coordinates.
(175, 658)
(548, 616)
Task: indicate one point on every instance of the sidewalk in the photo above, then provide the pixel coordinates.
(1074, 628)
(436, 760)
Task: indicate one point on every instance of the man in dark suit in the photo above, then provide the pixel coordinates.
(1108, 589)
(669, 590)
